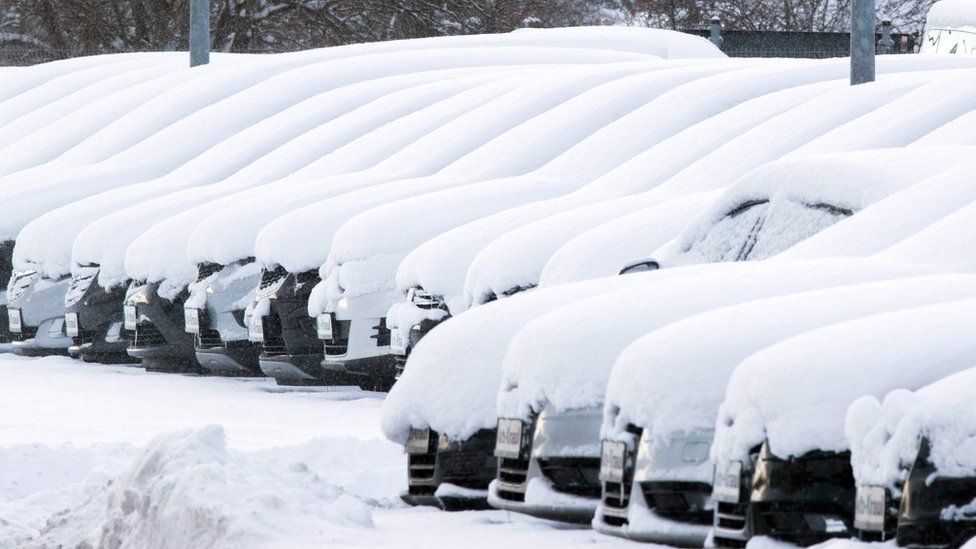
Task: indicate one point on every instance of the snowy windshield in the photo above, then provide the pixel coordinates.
(759, 229)
(950, 42)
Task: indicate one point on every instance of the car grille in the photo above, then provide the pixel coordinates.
(205, 270)
(575, 475)
(401, 364)
(147, 335)
(274, 341)
(26, 332)
(512, 477)
(208, 338)
(680, 501)
(339, 344)
(616, 499)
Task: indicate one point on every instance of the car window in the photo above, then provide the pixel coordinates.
(789, 222)
(732, 238)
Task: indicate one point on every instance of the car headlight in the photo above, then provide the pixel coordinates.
(71, 325)
(191, 320)
(130, 318)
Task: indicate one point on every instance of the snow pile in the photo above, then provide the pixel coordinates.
(188, 490)
(672, 380)
(951, 14)
(884, 434)
(563, 359)
(793, 198)
(795, 393)
(951, 241)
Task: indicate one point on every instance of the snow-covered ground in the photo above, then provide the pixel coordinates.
(114, 456)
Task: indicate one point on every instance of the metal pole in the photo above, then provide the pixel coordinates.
(199, 32)
(862, 42)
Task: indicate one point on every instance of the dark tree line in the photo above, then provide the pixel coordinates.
(60, 28)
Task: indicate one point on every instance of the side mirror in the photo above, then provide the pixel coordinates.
(640, 266)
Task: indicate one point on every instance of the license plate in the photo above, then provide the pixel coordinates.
(418, 441)
(255, 329)
(324, 325)
(508, 442)
(191, 320)
(612, 456)
(71, 324)
(870, 509)
(13, 320)
(728, 482)
(129, 317)
(398, 343)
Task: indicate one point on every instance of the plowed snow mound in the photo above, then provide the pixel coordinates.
(187, 490)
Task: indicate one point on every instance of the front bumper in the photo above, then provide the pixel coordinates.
(359, 347)
(556, 476)
(98, 312)
(451, 475)
(291, 351)
(40, 306)
(803, 500)
(159, 339)
(220, 341)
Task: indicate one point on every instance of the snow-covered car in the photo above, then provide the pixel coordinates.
(159, 256)
(519, 132)
(950, 29)
(779, 445)
(911, 457)
(362, 267)
(660, 414)
(503, 253)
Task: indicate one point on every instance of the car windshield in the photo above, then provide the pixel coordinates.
(950, 42)
(760, 229)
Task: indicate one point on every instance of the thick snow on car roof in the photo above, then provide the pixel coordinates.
(673, 379)
(892, 219)
(358, 241)
(20, 80)
(795, 393)
(102, 81)
(103, 242)
(200, 113)
(517, 258)
(542, 119)
(231, 153)
(797, 196)
(161, 252)
(47, 143)
(563, 359)
(956, 234)
(884, 434)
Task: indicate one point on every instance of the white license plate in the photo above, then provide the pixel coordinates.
(255, 329)
(869, 508)
(728, 482)
(129, 317)
(324, 325)
(71, 325)
(612, 457)
(13, 320)
(191, 320)
(398, 343)
(508, 442)
(418, 441)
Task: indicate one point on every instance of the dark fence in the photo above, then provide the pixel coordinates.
(815, 45)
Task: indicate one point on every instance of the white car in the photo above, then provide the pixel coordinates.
(950, 29)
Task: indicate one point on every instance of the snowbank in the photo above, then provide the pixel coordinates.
(681, 388)
(786, 201)
(795, 393)
(884, 435)
(949, 240)
(563, 359)
(893, 218)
